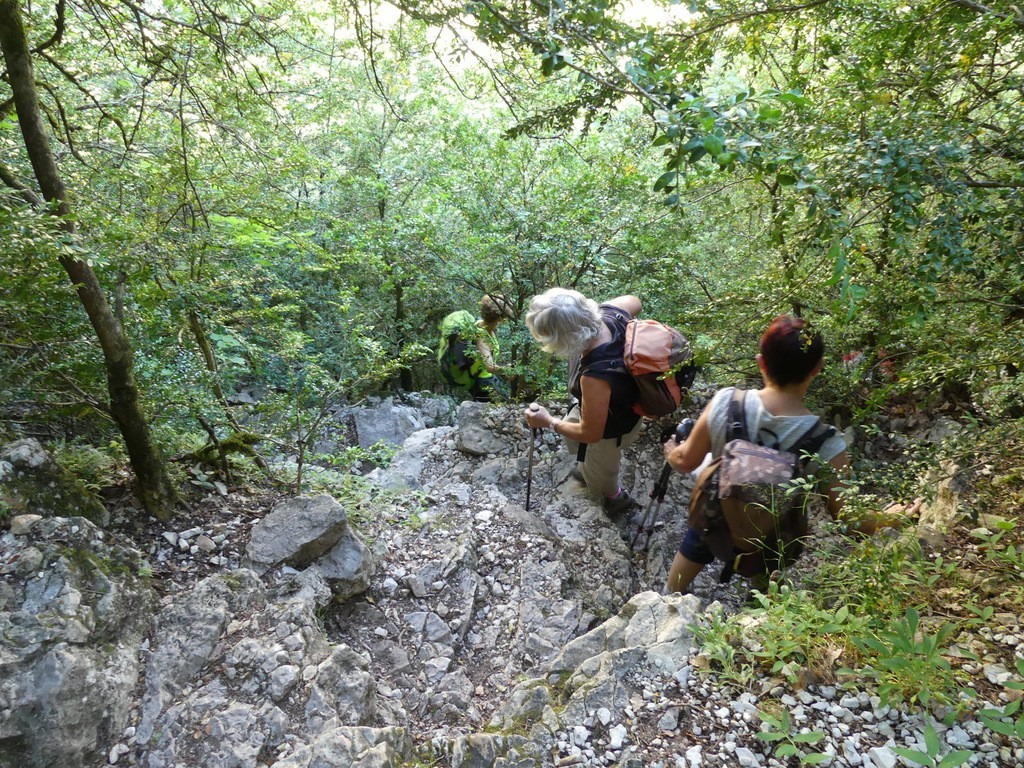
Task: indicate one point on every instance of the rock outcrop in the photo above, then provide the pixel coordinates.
(479, 634)
(74, 608)
(31, 482)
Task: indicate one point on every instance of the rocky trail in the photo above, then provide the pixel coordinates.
(444, 624)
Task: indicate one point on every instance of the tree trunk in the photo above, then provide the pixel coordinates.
(154, 487)
(404, 374)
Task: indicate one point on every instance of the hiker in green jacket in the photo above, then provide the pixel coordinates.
(468, 349)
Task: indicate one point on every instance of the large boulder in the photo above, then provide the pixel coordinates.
(387, 422)
(74, 606)
(347, 568)
(32, 483)
(297, 532)
(479, 431)
(436, 411)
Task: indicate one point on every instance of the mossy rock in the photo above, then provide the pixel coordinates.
(32, 483)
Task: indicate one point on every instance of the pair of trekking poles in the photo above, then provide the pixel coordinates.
(653, 511)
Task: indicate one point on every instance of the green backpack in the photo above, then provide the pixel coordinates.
(457, 332)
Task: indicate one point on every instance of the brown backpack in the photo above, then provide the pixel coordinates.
(748, 505)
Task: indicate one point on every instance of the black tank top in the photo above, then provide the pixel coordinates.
(605, 362)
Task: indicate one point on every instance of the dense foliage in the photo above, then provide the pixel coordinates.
(288, 200)
(281, 201)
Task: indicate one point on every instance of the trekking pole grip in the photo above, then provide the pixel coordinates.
(684, 429)
(532, 409)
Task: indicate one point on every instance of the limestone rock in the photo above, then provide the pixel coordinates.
(31, 482)
(346, 746)
(406, 467)
(297, 532)
(71, 624)
(186, 635)
(388, 422)
(475, 436)
(347, 568)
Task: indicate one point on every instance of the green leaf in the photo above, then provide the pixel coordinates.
(953, 759)
(714, 145)
(814, 758)
(786, 750)
(931, 739)
(912, 754)
(1006, 729)
(913, 620)
(793, 96)
(786, 179)
(808, 738)
(666, 180)
(838, 256)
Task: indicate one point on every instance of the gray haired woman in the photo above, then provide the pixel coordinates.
(602, 422)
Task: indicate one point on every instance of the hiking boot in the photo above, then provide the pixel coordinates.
(620, 504)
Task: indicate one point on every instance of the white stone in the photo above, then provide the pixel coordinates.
(882, 757)
(617, 736)
(116, 752)
(997, 674)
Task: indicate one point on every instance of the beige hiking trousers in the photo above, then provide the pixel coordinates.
(600, 467)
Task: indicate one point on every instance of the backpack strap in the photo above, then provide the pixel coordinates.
(814, 438)
(811, 443)
(736, 416)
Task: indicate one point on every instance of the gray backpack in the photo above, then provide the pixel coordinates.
(740, 504)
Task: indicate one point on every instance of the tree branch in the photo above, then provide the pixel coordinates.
(749, 15)
(58, 29)
(28, 194)
(1018, 18)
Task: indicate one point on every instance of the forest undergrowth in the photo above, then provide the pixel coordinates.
(926, 616)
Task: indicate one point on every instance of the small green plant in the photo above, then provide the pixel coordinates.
(909, 664)
(1008, 556)
(716, 636)
(785, 634)
(95, 469)
(789, 744)
(994, 718)
(933, 745)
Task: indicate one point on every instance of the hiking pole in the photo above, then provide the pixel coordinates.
(529, 460)
(650, 521)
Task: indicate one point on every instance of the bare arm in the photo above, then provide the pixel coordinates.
(596, 394)
(483, 349)
(687, 456)
(630, 304)
(889, 518)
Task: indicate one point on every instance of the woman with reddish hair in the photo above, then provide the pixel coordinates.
(790, 355)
